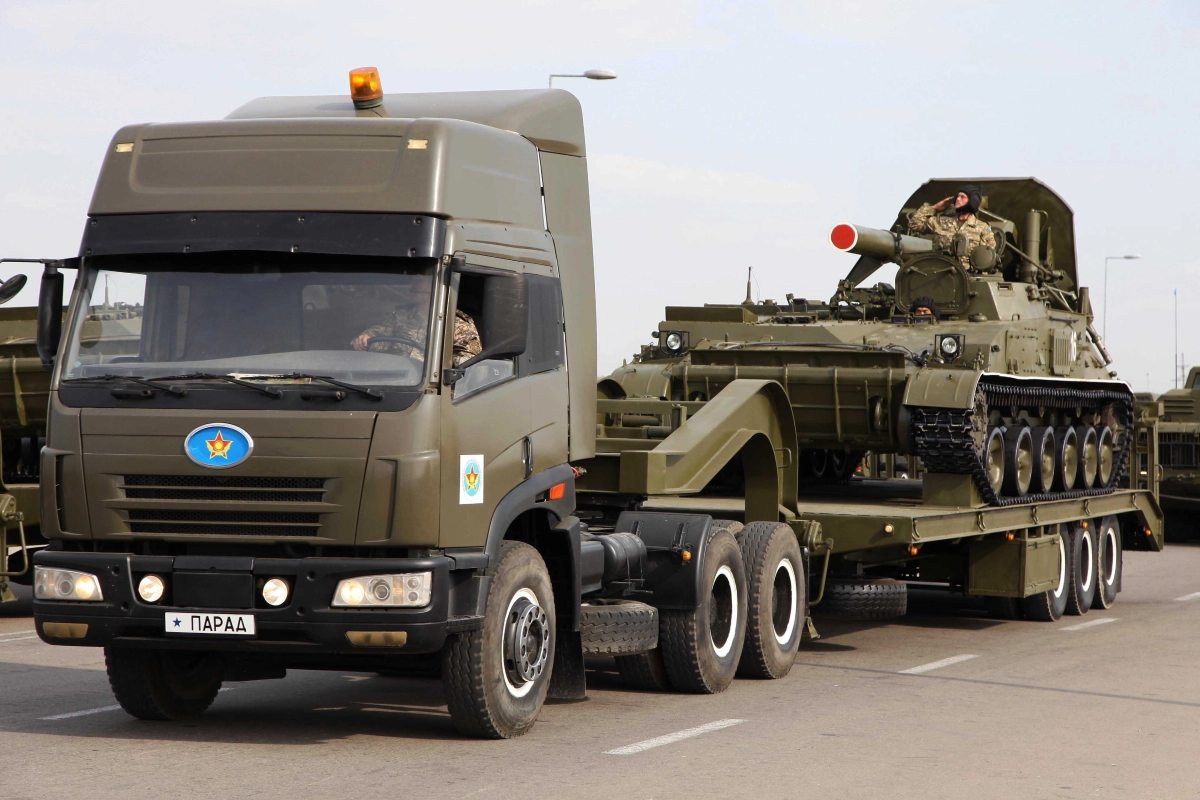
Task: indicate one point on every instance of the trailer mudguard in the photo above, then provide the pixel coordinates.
(673, 581)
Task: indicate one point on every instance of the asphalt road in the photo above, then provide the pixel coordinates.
(987, 709)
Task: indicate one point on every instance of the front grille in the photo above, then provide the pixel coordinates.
(219, 488)
(174, 515)
(1179, 450)
(1179, 406)
(222, 530)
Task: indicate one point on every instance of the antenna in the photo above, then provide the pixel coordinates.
(749, 276)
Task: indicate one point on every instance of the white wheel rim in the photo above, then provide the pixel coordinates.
(1110, 536)
(1062, 568)
(527, 687)
(786, 566)
(723, 649)
(1087, 561)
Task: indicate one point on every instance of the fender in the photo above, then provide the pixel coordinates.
(942, 388)
(672, 581)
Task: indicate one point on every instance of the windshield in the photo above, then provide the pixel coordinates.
(363, 320)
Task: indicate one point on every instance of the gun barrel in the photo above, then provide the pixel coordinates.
(884, 245)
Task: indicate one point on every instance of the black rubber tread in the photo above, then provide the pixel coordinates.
(470, 679)
(142, 685)
(1003, 607)
(731, 525)
(1106, 593)
(764, 545)
(946, 440)
(1049, 606)
(684, 639)
(863, 598)
(617, 629)
(644, 671)
(1079, 599)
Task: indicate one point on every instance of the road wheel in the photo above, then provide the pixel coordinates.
(776, 592)
(1066, 460)
(1049, 605)
(495, 679)
(644, 671)
(994, 459)
(1108, 562)
(1043, 460)
(161, 685)
(617, 629)
(864, 598)
(701, 648)
(1081, 586)
(1018, 460)
(1105, 457)
(1089, 456)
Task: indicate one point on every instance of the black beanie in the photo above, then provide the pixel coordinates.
(926, 302)
(974, 198)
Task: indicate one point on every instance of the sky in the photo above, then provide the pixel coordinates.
(736, 134)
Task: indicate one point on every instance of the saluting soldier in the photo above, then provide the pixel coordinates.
(952, 216)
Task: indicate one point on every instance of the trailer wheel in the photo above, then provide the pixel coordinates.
(1108, 562)
(701, 647)
(731, 525)
(1049, 605)
(863, 598)
(163, 685)
(1081, 587)
(644, 671)
(776, 590)
(495, 679)
(617, 629)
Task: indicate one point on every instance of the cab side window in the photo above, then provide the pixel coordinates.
(467, 340)
(544, 350)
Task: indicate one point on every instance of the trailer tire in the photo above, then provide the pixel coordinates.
(695, 661)
(644, 671)
(495, 679)
(863, 598)
(163, 685)
(618, 629)
(1050, 605)
(1108, 562)
(731, 525)
(1081, 588)
(776, 589)
(1008, 608)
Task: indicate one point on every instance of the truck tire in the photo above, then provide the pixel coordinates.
(731, 525)
(1108, 562)
(1081, 553)
(701, 647)
(1049, 606)
(864, 598)
(495, 679)
(618, 629)
(776, 589)
(163, 685)
(644, 671)
(1008, 608)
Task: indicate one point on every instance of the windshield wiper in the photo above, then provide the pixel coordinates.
(208, 376)
(373, 394)
(178, 391)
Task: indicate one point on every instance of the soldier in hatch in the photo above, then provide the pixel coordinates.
(951, 216)
(925, 307)
(410, 321)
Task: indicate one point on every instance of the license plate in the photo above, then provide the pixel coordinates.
(219, 624)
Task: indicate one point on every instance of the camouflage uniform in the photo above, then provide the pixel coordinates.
(409, 322)
(944, 226)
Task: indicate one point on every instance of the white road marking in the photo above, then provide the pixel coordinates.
(671, 738)
(103, 709)
(1188, 597)
(1091, 623)
(18, 639)
(932, 665)
(10, 634)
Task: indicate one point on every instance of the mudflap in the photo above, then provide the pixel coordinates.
(568, 681)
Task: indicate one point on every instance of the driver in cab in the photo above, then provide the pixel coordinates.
(410, 321)
(951, 216)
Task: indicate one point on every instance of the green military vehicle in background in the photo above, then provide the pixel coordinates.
(284, 459)
(1179, 457)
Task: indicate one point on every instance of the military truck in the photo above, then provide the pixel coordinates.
(1179, 457)
(290, 462)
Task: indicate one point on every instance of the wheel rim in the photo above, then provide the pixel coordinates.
(1046, 472)
(526, 644)
(995, 460)
(1062, 568)
(1069, 468)
(1109, 552)
(1023, 461)
(783, 602)
(1105, 448)
(1086, 562)
(1091, 457)
(722, 612)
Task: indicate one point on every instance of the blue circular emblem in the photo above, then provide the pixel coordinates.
(218, 445)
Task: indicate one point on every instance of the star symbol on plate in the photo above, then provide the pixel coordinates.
(177, 622)
(218, 446)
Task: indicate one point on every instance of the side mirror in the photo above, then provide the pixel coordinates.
(11, 287)
(504, 326)
(50, 314)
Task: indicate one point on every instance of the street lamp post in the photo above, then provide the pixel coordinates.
(591, 75)
(1104, 322)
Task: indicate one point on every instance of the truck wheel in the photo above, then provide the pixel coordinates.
(644, 671)
(701, 647)
(495, 679)
(1108, 562)
(864, 598)
(1081, 587)
(162, 685)
(1049, 605)
(618, 629)
(775, 599)
(731, 525)
(1003, 607)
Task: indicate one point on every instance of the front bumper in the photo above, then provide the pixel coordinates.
(306, 624)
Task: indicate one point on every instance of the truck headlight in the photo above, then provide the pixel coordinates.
(407, 590)
(151, 588)
(50, 583)
(275, 592)
(950, 347)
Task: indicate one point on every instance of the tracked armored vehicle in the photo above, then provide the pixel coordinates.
(1009, 383)
(1179, 457)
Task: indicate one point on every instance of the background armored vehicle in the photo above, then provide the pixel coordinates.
(1179, 457)
(1009, 386)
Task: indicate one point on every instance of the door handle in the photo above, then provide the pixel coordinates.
(527, 456)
